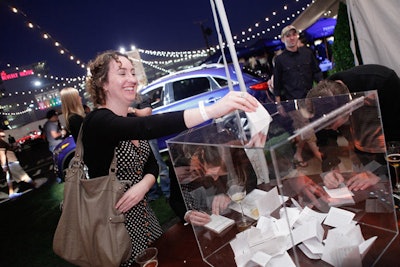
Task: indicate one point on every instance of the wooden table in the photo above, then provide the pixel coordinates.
(178, 247)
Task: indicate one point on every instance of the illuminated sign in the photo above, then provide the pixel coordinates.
(8, 76)
(48, 99)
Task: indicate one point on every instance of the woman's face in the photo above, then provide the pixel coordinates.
(122, 82)
(199, 168)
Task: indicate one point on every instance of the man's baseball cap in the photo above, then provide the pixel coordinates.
(287, 29)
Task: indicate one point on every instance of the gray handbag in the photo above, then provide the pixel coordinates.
(91, 232)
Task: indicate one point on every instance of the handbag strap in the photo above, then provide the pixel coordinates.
(79, 153)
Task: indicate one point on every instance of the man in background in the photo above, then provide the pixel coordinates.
(12, 168)
(52, 130)
(295, 70)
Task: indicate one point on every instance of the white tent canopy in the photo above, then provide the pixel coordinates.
(376, 25)
(320, 8)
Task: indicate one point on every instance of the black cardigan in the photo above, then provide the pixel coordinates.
(103, 130)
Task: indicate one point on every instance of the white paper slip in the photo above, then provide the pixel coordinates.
(261, 258)
(341, 192)
(259, 120)
(219, 223)
(337, 217)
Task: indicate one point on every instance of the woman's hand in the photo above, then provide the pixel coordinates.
(220, 203)
(135, 194)
(333, 179)
(362, 181)
(232, 101)
(198, 218)
(309, 193)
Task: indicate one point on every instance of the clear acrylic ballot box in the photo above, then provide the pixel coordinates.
(316, 192)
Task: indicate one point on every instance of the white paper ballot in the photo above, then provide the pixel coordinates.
(292, 214)
(259, 121)
(307, 231)
(340, 243)
(219, 223)
(268, 202)
(337, 217)
(256, 237)
(308, 214)
(366, 245)
(314, 245)
(261, 258)
(239, 245)
(341, 192)
(243, 260)
(309, 253)
(339, 196)
(281, 260)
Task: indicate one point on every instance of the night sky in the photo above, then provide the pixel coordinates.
(88, 27)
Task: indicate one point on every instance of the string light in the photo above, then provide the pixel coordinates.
(247, 35)
(61, 49)
(264, 30)
(77, 83)
(16, 113)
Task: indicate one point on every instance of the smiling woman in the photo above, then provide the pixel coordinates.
(109, 130)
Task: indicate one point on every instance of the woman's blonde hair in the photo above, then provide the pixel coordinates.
(71, 103)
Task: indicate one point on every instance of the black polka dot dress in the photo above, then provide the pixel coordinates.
(141, 221)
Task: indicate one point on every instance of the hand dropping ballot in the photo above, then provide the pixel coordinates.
(259, 121)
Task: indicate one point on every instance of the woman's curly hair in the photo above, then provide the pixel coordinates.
(99, 68)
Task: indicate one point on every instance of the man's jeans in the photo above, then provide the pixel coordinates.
(163, 174)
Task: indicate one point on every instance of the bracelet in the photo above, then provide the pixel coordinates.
(203, 112)
(186, 216)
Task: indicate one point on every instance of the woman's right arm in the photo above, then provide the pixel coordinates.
(232, 101)
(116, 128)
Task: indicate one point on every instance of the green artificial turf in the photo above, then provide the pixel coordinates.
(27, 225)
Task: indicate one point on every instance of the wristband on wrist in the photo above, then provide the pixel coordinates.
(186, 217)
(203, 112)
